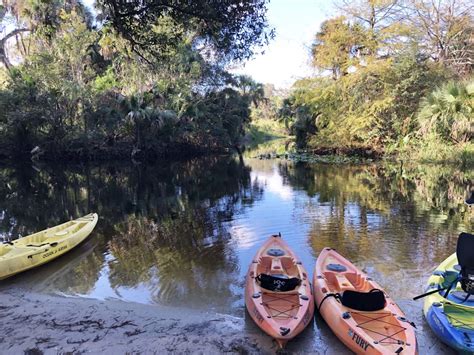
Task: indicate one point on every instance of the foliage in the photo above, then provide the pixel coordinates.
(449, 112)
(337, 45)
(372, 106)
(228, 29)
(83, 92)
(444, 31)
(265, 121)
(264, 129)
(385, 58)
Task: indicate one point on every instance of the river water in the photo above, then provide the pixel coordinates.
(184, 233)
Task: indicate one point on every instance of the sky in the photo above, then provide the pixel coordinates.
(286, 59)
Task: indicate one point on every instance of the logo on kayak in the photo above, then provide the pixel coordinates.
(437, 321)
(54, 251)
(359, 340)
(257, 315)
(279, 284)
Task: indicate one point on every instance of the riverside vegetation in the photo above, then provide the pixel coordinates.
(134, 79)
(394, 78)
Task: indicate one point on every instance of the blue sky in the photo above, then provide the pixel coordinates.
(287, 57)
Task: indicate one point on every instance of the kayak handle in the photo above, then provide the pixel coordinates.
(53, 244)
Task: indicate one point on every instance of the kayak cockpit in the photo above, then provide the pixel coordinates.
(284, 265)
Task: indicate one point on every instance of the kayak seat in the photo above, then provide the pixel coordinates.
(465, 254)
(278, 283)
(364, 301)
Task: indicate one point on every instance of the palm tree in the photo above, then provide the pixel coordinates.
(449, 112)
(139, 111)
(250, 88)
(136, 111)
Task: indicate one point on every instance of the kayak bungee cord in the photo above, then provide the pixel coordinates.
(380, 315)
(285, 313)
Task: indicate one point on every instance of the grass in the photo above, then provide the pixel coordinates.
(432, 150)
(262, 130)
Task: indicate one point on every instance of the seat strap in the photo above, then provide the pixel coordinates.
(337, 296)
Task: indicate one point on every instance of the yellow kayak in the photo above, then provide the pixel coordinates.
(39, 248)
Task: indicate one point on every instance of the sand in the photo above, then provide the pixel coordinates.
(36, 323)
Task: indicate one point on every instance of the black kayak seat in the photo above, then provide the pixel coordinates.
(278, 283)
(364, 301)
(465, 255)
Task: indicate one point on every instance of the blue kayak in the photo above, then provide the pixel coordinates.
(453, 325)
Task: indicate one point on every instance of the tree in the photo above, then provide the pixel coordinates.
(227, 30)
(380, 18)
(85, 92)
(444, 31)
(336, 45)
(250, 88)
(28, 16)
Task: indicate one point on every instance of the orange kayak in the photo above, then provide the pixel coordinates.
(278, 294)
(357, 309)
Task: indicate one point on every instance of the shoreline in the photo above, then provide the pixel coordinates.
(37, 323)
(40, 323)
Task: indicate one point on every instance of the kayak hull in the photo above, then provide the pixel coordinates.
(41, 247)
(451, 319)
(457, 338)
(281, 315)
(364, 332)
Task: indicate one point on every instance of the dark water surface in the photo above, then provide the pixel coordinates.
(183, 234)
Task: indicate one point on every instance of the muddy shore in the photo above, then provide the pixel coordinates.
(36, 323)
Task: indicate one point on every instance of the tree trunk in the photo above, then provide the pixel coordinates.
(3, 46)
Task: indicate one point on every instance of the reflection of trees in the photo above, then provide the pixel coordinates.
(188, 204)
(382, 215)
(182, 259)
(441, 189)
(182, 253)
(434, 192)
(33, 199)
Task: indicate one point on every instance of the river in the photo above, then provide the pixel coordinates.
(183, 234)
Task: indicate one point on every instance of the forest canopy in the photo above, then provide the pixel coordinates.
(131, 78)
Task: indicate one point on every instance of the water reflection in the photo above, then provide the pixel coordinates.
(184, 233)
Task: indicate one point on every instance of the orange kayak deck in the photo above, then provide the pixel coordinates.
(384, 331)
(282, 315)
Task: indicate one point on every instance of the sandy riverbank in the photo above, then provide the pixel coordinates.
(39, 323)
